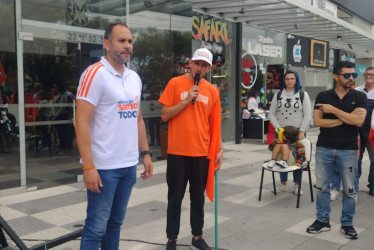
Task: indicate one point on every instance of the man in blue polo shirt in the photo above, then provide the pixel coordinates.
(339, 113)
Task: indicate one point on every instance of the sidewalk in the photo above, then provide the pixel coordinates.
(244, 222)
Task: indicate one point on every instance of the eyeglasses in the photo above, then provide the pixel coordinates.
(348, 75)
(289, 79)
(369, 75)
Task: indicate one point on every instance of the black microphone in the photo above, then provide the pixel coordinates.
(196, 83)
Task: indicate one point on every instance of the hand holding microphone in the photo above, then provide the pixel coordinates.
(196, 83)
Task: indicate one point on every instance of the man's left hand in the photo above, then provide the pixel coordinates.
(219, 159)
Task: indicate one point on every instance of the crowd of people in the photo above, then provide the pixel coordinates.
(194, 152)
(111, 133)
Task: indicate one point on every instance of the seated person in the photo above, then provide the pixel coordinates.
(287, 150)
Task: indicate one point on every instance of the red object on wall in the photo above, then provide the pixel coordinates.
(2, 74)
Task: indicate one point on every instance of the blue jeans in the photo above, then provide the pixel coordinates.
(106, 210)
(326, 160)
(335, 178)
(296, 177)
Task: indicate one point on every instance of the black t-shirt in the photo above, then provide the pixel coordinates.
(345, 135)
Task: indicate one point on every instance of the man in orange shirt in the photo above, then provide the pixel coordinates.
(189, 141)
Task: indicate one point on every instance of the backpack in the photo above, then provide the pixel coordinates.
(71, 98)
(301, 94)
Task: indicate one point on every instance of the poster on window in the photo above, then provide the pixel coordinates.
(318, 53)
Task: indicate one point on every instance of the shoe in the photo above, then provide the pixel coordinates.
(334, 194)
(349, 232)
(199, 244)
(318, 227)
(281, 163)
(296, 189)
(270, 164)
(281, 188)
(171, 245)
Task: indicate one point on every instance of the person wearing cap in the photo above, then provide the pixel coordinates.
(191, 124)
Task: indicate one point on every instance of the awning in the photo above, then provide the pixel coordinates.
(297, 17)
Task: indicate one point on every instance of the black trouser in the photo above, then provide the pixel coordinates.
(180, 170)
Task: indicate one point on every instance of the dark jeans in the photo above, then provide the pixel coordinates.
(154, 130)
(180, 170)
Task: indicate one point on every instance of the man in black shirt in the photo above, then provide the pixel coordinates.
(339, 113)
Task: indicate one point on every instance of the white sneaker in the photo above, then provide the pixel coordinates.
(334, 194)
(270, 164)
(296, 189)
(281, 188)
(281, 163)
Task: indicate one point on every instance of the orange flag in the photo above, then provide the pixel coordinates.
(215, 140)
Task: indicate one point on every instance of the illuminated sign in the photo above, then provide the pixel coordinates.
(249, 71)
(209, 30)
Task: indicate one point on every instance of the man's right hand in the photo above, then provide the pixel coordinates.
(193, 93)
(92, 180)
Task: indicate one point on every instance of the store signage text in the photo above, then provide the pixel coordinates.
(266, 49)
(210, 30)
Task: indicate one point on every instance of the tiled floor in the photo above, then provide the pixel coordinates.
(243, 221)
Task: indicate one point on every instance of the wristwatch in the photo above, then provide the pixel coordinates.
(148, 152)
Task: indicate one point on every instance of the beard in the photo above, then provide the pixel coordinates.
(121, 58)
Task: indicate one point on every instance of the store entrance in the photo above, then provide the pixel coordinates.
(52, 69)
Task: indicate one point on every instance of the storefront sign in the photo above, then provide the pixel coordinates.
(318, 53)
(77, 11)
(264, 47)
(210, 30)
(326, 6)
(347, 56)
(249, 71)
(360, 68)
(63, 32)
(298, 48)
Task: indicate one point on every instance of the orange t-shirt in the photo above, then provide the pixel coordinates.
(189, 131)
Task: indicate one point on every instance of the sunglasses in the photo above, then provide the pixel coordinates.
(348, 75)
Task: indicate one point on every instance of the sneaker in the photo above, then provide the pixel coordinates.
(334, 194)
(318, 227)
(349, 232)
(296, 189)
(270, 164)
(281, 188)
(171, 245)
(199, 244)
(281, 163)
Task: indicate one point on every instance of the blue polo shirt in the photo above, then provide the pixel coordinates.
(343, 136)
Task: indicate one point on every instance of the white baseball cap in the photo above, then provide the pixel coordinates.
(202, 54)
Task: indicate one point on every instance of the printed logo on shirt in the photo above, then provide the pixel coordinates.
(203, 99)
(184, 95)
(128, 108)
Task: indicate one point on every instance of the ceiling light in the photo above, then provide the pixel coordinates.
(339, 38)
